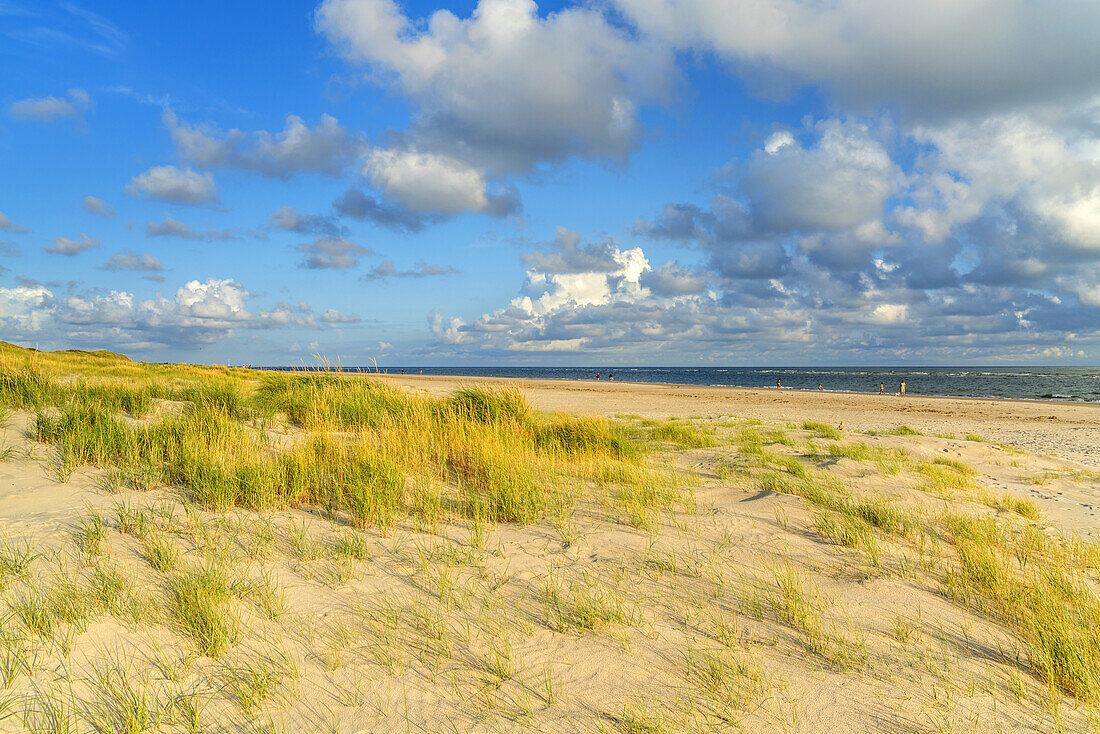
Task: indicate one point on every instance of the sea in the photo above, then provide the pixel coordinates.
(1076, 384)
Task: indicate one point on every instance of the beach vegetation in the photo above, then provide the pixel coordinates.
(681, 434)
(331, 533)
(202, 606)
(822, 430)
(396, 455)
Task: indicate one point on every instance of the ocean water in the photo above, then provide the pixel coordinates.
(1079, 384)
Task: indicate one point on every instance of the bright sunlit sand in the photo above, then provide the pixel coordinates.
(558, 366)
(210, 549)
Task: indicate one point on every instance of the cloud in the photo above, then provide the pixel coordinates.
(827, 199)
(291, 220)
(132, 261)
(331, 253)
(447, 330)
(1047, 171)
(725, 231)
(840, 182)
(332, 316)
(566, 254)
(507, 86)
(198, 314)
(957, 58)
(726, 220)
(168, 183)
(22, 308)
(326, 148)
(52, 109)
(170, 227)
(99, 207)
(76, 27)
(66, 246)
(6, 225)
(672, 279)
(355, 204)
(162, 101)
(435, 184)
(421, 270)
(909, 304)
(494, 95)
(558, 289)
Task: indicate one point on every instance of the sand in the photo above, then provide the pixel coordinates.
(1068, 430)
(364, 636)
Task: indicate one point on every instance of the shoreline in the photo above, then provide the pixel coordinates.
(909, 394)
(1070, 430)
(262, 545)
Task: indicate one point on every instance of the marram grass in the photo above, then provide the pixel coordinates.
(372, 455)
(365, 450)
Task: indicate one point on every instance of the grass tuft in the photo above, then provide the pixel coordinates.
(202, 606)
(822, 430)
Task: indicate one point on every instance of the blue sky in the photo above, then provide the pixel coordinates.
(629, 181)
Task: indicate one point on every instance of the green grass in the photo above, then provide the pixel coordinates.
(361, 454)
(254, 683)
(161, 553)
(847, 530)
(15, 562)
(889, 459)
(729, 681)
(680, 433)
(586, 605)
(126, 703)
(943, 477)
(489, 406)
(822, 430)
(201, 603)
(1055, 613)
(489, 450)
(353, 545)
(43, 609)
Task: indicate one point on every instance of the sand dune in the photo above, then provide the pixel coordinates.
(1069, 430)
(753, 597)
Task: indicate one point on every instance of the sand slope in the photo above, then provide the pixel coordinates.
(1069, 430)
(585, 623)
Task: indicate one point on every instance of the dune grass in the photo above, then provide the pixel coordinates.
(684, 435)
(474, 452)
(355, 452)
(822, 430)
(1050, 606)
(585, 605)
(1023, 579)
(201, 601)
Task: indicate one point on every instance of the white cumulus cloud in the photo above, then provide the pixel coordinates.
(52, 109)
(326, 148)
(97, 206)
(179, 185)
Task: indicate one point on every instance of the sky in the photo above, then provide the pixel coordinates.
(633, 182)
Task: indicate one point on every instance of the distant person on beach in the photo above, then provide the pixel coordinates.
(597, 377)
(779, 384)
(903, 389)
(610, 376)
(882, 388)
(819, 387)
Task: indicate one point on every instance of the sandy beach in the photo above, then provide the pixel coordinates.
(1068, 430)
(200, 549)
